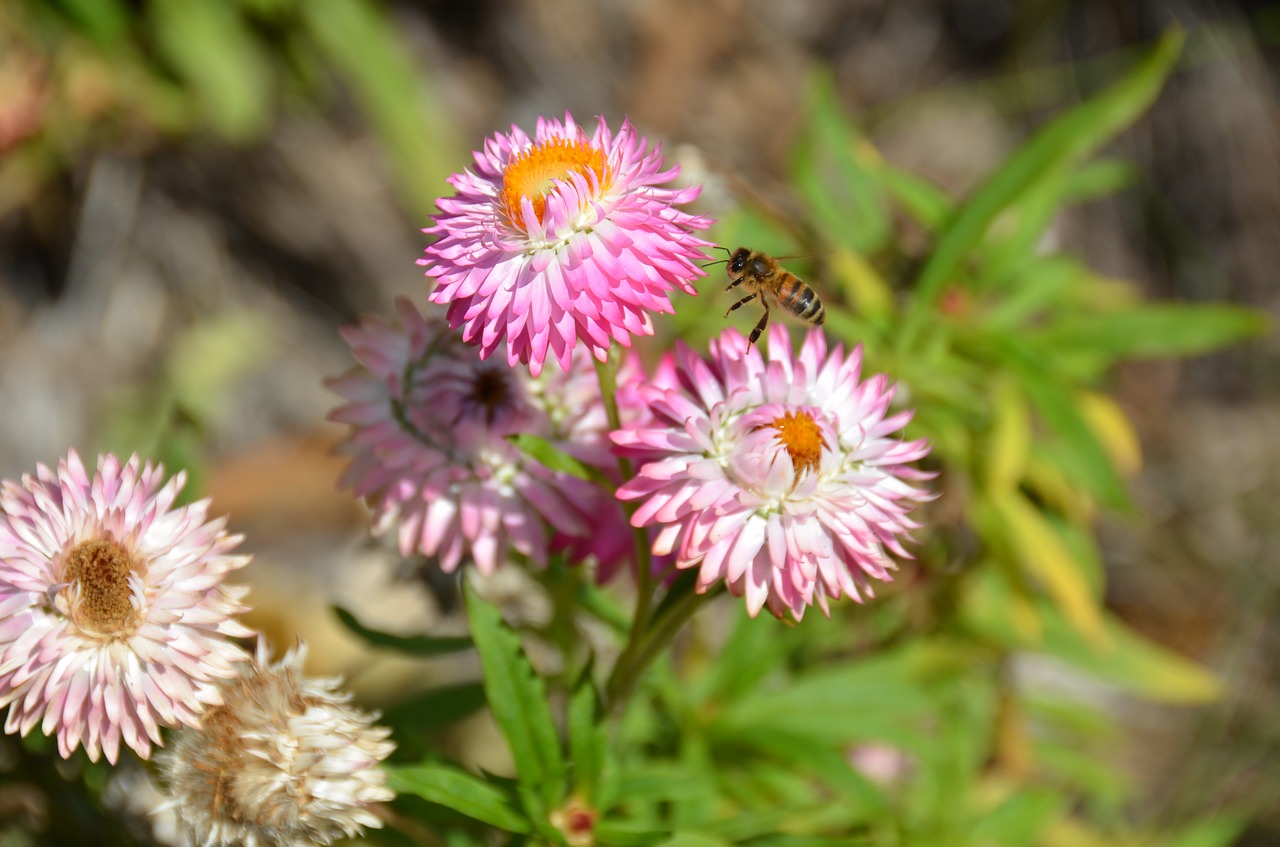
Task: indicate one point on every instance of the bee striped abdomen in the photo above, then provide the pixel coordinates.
(801, 300)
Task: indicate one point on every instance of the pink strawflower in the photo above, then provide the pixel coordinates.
(780, 476)
(429, 449)
(114, 618)
(561, 238)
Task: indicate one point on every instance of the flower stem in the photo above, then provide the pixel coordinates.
(607, 374)
(677, 609)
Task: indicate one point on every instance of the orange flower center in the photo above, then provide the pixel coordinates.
(798, 433)
(534, 172)
(98, 572)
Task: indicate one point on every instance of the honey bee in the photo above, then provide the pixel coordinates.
(762, 276)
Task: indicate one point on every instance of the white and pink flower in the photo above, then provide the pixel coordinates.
(778, 475)
(114, 619)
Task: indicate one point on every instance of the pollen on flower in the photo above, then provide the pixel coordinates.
(534, 172)
(98, 572)
(800, 436)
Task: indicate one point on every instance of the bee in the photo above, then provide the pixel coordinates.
(761, 275)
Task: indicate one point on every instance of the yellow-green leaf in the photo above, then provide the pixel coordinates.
(1010, 442)
(1044, 557)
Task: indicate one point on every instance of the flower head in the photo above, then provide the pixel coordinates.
(284, 762)
(114, 619)
(561, 238)
(779, 476)
(430, 451)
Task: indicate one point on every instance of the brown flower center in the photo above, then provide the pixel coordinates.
(533, 173)
(800, 436)
(491, 391)
(98, 571)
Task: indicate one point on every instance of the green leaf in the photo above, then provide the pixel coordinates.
(1051, 151)
(518, 699)
(1156, 331)
(460, 791)
(845, 200)
(588, 738)
(437, 707)
(1021, 820)
(1044, 556)
(926, 204)
(396, 96)
(1220, 831)
(622, 833)
(1009, 444)
(210, 46)
(752, 652)
(414, 645)
(1080, 454)
(549, 456)
(888, 693)
(694, 839)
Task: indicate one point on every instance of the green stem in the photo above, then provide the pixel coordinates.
(606, 374)
(669, 620)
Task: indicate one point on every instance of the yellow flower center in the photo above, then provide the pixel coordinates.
(533, 173)
(799, 434)
(98, 572)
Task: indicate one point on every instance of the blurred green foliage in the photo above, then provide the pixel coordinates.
(82, 75)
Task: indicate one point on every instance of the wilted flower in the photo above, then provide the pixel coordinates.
(779, 477)
(561, 238)
(284, 762)
(113, 616)
(430, 451)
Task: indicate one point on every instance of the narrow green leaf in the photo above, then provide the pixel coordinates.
(460, 791)
(1219, 831)
(1056, 147)
(212, 49)
(518, 699)
(1080, 456)
(694, 839)
(926, 204)
(1021, 820)
(1044, 556)
(622, 833)
(845, 200)
(587, 738)
(438, 706)
(414, 645)
(361, 41)
(549, 456)
(1009, 443)
(1156, 331)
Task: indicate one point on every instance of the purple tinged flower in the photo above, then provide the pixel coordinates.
(562, 238)
(780, 476)
(430, 453)
(114, 619)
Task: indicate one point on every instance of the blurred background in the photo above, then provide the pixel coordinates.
(195, 195)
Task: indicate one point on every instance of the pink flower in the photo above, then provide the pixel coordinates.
(779, 477)
(559, 239)
(113, 616)
(430, 452)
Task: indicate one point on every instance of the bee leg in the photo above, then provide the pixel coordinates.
(734, 284)
(764, 321)
(741, 302)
